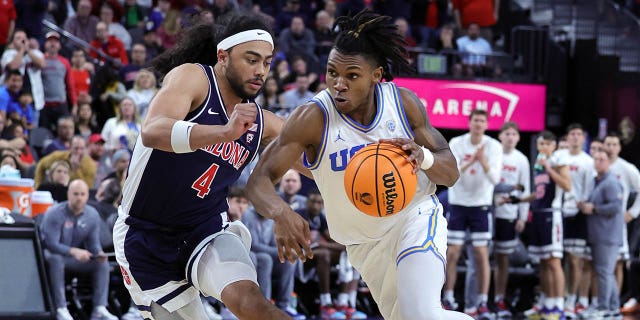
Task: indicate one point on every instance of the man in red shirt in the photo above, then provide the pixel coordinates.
(109, 45)
(7, 22)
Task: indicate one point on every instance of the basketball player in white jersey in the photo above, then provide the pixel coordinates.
(581, 171)
(400, 257)
(629, 177)
(479, 158)
(511, 213)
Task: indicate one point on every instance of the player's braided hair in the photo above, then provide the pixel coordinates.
(198, 43)
(376, 37)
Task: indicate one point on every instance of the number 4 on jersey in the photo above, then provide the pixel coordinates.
(203, 183)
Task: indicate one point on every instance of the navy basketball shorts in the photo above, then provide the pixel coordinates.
(545, 234)
(475, 219)
(575, 235)
(506, 239)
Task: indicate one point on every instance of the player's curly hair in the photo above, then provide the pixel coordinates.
(376, 37)
(198, 43)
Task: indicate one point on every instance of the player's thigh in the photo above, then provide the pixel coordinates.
(420, 280)
(223, 261)
(505, 236)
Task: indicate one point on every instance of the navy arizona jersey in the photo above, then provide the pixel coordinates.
(183, 190)
(544, 189)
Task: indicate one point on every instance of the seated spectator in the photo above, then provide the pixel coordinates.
(107, 93)
(120, 161)
(138, 61)
(26, 156)
(71, 238)
(157, 15)
(57, 180)
(269, 97)
(300, 66)
(474, 51)
(324, 36)
(64, 129)
(152, 43)
(22, 112)
(9, 143)
(326, 254)
(169, 29)
(295, 97)
(113, 26)
(109, 45)
(134, 16)
(82, 24)
(298, 40)
(122, 131)
(11, 161)
(81, 165)
(144, 88)
(105, 202)
(281, 72)
(404, 31)
(10, 91)
(85, 121)
(101, 158)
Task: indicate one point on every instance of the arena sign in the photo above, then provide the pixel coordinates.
(449, 103)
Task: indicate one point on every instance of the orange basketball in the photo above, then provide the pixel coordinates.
(379, 180)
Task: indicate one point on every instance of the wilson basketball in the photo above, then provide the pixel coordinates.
(379, 180)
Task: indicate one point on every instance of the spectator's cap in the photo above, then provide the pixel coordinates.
(120, 154)
(52, 34)
(96, 138)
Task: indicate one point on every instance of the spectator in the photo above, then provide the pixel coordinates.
(403, 30)
(138, 61)
(82, 24)
(85, 121)
(223, 10)
(281, 72)
(286, 14)
(331, 8)
(299, 66)
(290, 185)
(297, 96)
(596, 145)
(22, 112)
(474, 51)
(426, 18)
(122, 131)
(120, 161)
(630, 140)
(81, 165)
(101, 158)
(169, 29)
(22, 57)
(484, 13)
(10, 161)
(64, 130)
(57, 79)
(133, 15)
(152, 43)
(107, 93)
(25, 155)
(324, 36)
(109, 45)
(269, 97)
(82, 72)
(71, 237)
(10, 91)
(57, 180)
(604, 215)
(157, 15)
(143, 90)
(298, 40)
(11, 143)
(114, 27)
(105, 202)
(7, 22)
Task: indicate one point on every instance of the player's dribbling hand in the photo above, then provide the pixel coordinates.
(242, 118)
(413, 149)
(293, 237)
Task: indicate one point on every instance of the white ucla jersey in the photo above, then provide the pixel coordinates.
(515, 170)
(342, 137)
(629, 177)
(581, 171)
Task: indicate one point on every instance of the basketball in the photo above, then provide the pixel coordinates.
(379, 180)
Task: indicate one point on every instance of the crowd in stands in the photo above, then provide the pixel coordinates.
(73, 99)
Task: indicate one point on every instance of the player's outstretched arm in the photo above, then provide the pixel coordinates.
(445, 168)
(184, 89)
(302, 132)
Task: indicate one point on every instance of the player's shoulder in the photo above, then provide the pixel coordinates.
(520, 156)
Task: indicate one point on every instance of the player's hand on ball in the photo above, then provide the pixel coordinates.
(413, 150)
(293, 237)
(241, 119)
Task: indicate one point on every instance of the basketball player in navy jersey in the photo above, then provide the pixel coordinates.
(400, 257)
(173, 238)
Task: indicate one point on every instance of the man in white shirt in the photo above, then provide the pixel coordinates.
(582, 172)
(511, 213)
(480, 162)
(629, 177)
(473, 50)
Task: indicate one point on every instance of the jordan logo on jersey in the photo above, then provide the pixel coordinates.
(338, 137)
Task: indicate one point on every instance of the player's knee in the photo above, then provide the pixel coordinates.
(244, 299)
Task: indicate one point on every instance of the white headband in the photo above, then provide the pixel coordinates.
(245, 36)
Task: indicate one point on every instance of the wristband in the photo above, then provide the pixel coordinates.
(180, 134)
(428, 160)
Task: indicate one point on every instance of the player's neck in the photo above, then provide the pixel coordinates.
(507, 150)
(476, 138)
(574, 151)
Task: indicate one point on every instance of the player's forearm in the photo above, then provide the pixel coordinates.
(445, 168)
(156, 134)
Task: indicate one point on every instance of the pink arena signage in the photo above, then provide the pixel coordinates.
(449, 103)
